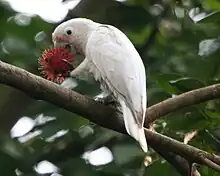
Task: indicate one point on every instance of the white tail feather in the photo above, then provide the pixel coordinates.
(142, 139)
(132, 127)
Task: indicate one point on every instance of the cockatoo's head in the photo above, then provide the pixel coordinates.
(69, 38)
(73, 34)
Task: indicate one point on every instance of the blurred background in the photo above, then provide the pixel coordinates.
(179, 44)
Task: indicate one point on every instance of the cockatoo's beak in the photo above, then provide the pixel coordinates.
(64, 45)
(59, 44)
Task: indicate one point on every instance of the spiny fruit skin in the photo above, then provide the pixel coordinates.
(56, 63)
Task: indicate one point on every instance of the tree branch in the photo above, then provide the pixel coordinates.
(180, 101)
(179, 163)
(40, 88)
(191, 153)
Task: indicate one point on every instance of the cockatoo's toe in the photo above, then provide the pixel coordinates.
(100, 100)
(108, 101)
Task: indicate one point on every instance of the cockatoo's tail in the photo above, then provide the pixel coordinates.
(56, 63)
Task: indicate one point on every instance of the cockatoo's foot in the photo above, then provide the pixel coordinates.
(107, 100)
(100, 100)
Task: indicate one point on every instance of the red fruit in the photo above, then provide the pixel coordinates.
(56, 63)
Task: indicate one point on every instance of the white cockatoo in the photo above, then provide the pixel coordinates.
(114, 62)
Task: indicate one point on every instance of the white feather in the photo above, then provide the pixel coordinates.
(132, 127)
(121, 68)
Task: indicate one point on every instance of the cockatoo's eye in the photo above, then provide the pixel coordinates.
(68, 31)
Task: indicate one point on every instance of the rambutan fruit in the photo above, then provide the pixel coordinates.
(56, 63)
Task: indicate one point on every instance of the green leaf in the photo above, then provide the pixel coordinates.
(208, 171)
(212, 114)
(213, 17)
(160, 167)
(186, 84)
(212, 4)
(164, 81)
(77, 167)
(12, 148)
(208, 46)
(186, 121)
(130, 151)
(7, 164)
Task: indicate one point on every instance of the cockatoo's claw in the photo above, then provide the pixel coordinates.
(108, 101)
(99, 100)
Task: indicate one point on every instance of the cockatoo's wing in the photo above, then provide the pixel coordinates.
(121, 68)
(120, 64)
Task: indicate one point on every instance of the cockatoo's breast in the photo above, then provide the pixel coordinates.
(104, 82)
